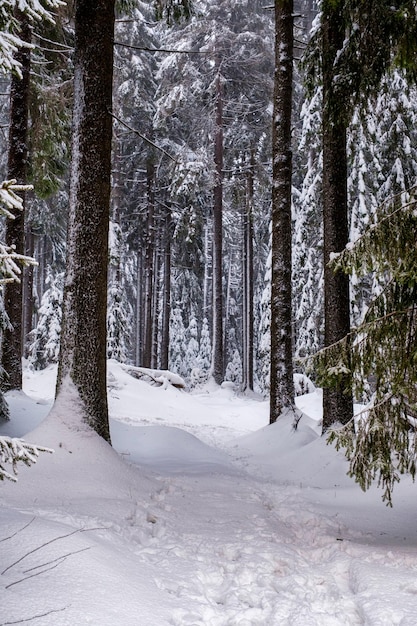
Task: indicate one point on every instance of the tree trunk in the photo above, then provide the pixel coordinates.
(337, 405)
(248, 279)
(217, 359)
(149, 266)
(282, 382)
(166, 301)
(12, 347)
(28, 296)
(83, 341)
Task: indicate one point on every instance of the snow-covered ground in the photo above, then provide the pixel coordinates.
(201, 515)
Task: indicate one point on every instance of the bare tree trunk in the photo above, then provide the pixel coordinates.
(248, 279)
(12, 348)
(282, 383)
(28, 297)
(217, 360)
(166, 302)
(156, 296)
(337, 405)
(149, 269)
(139, 311)
(82, 362)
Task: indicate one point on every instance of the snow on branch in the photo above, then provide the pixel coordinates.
(14, 451)
(9, 259)
(157, 377)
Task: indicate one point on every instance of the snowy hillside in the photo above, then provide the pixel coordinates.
(202, 515)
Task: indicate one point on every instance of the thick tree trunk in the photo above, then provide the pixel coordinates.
(282, 383)
(217, 369)
(83, 341)
(12, 347)
(337, 405)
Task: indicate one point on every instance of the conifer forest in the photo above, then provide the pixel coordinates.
(225, 189)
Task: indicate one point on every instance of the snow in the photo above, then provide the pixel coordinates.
(201, 515)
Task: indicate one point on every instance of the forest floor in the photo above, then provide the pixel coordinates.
(201, 515)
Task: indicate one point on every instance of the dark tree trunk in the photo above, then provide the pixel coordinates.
(248, 280)
(12, 347)
(337, 405)
(149, 266)
(166, 301)
(282, 383)
(28, 296)
(83, 341)
(217, 360)
(156, 297)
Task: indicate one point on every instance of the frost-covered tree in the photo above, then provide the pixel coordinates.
(177, 344)
(119, 309)
(44, 347)
(82, 362)
(234, 369)
(191, 353)
(204, 352)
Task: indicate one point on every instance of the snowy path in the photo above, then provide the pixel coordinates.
(255, 531)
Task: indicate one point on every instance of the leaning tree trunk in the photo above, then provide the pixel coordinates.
(82, 361)
(281, 382)
(337, 404)
(12, 343)
(217, 359)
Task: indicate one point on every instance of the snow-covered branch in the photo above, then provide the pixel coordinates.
(14, 451)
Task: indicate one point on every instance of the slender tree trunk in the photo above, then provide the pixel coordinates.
(28, 297)
(217, 360)
(337, 405)
(166, 302)
(139, 311)
(155, 297)
(248, 280)
(82, 362)
(149, 269)
(12, 347)
(282, 382)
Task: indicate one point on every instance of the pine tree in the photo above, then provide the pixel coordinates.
(177, 344)
(44, 348)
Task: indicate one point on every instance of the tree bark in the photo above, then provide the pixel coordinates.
(282, 382)
(149, 265)
(248, 279)
(166, 300)
(12, 344)
(217, 359)
(83, 340)
(337, 405)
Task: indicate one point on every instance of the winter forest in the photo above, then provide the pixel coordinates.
(222, 190)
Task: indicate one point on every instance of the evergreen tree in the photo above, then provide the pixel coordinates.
(204, 352)
(177, 344)
(384, 347)
(44, 348)
(234, 369)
